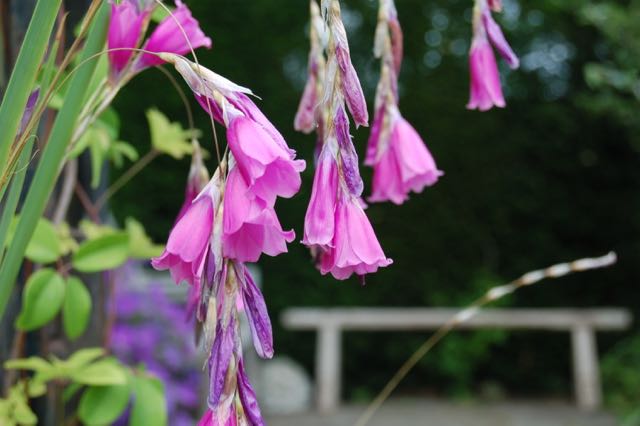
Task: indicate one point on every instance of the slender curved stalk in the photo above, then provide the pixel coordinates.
(52, 157)
(555, 271)
(126, 177)
(25, 71)
(11, 203)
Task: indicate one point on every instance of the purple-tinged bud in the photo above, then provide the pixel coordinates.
(28, 110)
(348, 154)
(497, 39)
(258, 316)
(248, 398)
(220, 360)
(351, 87)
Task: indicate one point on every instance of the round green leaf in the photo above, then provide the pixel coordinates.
(102, 253)
(44, 246)
(76, 308)
(149, 405)
(42, 299)
(102, 405)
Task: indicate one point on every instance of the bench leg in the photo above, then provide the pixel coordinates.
(328, 366)
(585, 368)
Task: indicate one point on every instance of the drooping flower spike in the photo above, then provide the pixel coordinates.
(262, 167)
(177, 33)
(401, 162)
(486, 90)
(238, 226)
(336, 229)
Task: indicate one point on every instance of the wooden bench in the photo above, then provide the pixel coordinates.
(330, 322)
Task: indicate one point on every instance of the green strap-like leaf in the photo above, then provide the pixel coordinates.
(54, 151)
(24, 73)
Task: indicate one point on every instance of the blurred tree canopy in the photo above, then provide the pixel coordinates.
(552, 177)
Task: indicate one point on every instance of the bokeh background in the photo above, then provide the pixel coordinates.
(553, 177)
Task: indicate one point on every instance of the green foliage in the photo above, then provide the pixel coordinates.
(140, 245)
(621, 380)
(44, 246)
(84, 367)
(149, 405)
(76, 309)
(42, 299)
(109, 388)
(102, 405)
(615, 78)
(101, 138)
(44, 178)
(168, 137)
(15, 410)
(102, 253)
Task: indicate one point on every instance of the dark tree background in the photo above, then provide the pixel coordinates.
(550, 178)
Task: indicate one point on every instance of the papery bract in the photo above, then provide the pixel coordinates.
(125, 29)
(349, 165)
(219, 361)
(250, 225)
(248, 398)
(210, 419)
(177, 33)
(351, 87)
(265, 165)
(355, 246)
(497, 39)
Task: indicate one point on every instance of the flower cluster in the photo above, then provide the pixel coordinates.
(336, 228)
(401, 162)
(231, 221)
(486, 91)
(178, 33)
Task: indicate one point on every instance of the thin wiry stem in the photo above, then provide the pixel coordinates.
(126, 177)
(195, 59)
(495, 293)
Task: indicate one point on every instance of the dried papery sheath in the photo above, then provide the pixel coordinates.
(401, 162)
